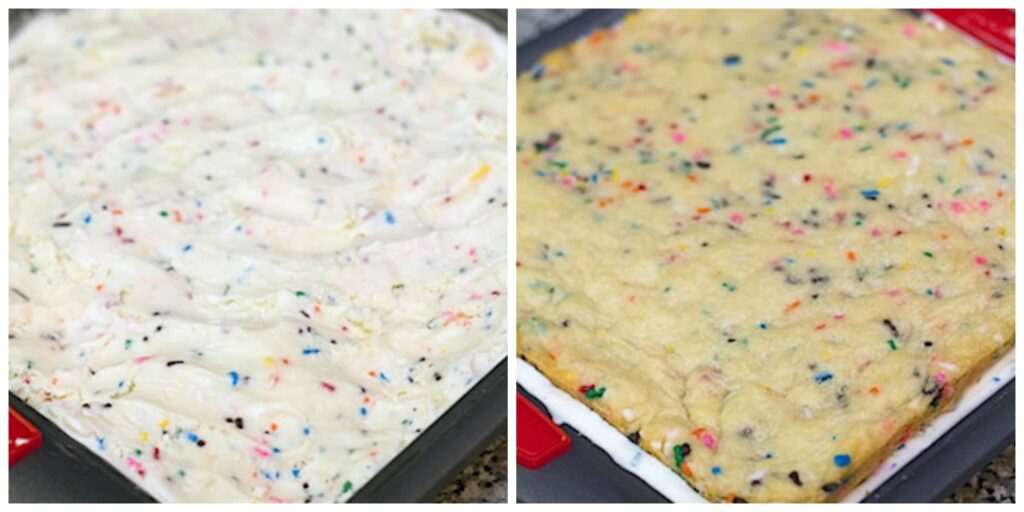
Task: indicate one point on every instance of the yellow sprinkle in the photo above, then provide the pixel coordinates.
(681, 248)
(884, 182)
(671, 349)
(615, 175)
(810, 254)
(268, 361)
(906, 266)
(1001, 230)
(480, 173)
(143, 437)
(164, 422)
(801, 51)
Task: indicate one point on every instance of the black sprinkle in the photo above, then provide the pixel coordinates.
(892, 328)
(685, 450)
(172, 363)
(200, 443)
(61, 224)
(304, 313)
(830, 487)
(737, 499)
(635, 437)
(437, 376)
(795, 477)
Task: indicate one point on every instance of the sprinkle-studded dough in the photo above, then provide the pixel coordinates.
(254, 254)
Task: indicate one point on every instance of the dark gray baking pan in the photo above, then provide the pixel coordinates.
(586, 474)
(65, 471)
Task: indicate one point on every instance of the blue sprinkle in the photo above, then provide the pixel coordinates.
(234, 378)
(88, 218)
(834, 438)
(188, 247)
(305, 431)
(996, 379)
(768, 455)
(192, 437)
(275, 450)
(763, 326)
(310, 351)
(101, 443)
(295, 472)
(822, 377)
(384, 377)
(79, 42)
(120, 384)
(362, 411)
(778, 141)
(266, 474)
(807, 83)
(538, 72)
(320, 140)
(715, 470)
(869, 194)
(732, 60)
(390, 217)
(871, 83)
(948, 62)
(842, 460)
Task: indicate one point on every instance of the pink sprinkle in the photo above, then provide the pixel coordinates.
(957, 207)
(798, 232)
(898, 154)
(830, 190)
(909, 30)
(736, 218)
(839, 316)
(678, 137)
(980, 260)
(838, 47)
(275, 499)
(474, 296)
(941, 378)
(260, 451)
(328, 386)
(875, 232)
(567, 182)
(895, 292)
(628, 67)
(846, 133)
(142, 359)
(774, 91)
(708, 440)
(984, 205)
(472, 251)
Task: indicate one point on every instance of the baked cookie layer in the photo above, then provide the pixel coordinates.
(766, 245)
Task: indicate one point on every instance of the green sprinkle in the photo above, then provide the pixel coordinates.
(728, 286)
(398, 286)
(929, 254)
(300, 293)
(958, 191)
(767, 133)
(668, 289)
(892, 345)
(163, 213)
(594, 393)
(127, 343)
(347, 486)
(865, 148)
(678, 451)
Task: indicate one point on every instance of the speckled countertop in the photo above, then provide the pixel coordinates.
(485, 480)
(994, 484)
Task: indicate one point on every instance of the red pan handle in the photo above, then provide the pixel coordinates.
(993, 27)
(22, 437)
(538, 439)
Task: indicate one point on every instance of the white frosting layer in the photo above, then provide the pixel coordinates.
(254, 254)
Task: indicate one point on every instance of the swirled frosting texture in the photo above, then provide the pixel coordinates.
(254, 254)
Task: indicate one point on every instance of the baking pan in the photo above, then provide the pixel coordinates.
(65, 471)
(586, 474)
